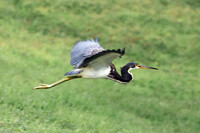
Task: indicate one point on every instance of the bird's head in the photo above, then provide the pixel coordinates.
(133, 65)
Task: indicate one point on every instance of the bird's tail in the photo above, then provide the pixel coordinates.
(74, 72)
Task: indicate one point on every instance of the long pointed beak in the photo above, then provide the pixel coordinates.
(146, 67)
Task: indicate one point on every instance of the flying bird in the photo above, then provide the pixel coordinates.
(90, 60)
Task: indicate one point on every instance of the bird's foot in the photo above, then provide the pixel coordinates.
(42, 86)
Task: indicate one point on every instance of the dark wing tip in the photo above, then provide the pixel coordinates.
(122, 52)
(119, 50)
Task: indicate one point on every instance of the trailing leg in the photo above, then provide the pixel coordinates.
(46, 86)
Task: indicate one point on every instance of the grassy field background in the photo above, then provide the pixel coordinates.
(35, 42)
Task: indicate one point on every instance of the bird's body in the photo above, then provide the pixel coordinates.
(90, 72)
(90, 60)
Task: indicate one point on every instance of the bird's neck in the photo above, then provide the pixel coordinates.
(125, 76)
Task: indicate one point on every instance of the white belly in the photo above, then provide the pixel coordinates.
(95, 73)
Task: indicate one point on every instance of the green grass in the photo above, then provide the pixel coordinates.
(35, 42)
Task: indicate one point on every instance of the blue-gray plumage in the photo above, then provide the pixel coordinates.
(84, 49)
(90, 60)
(74, 72)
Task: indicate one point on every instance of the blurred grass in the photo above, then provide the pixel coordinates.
(35, 42)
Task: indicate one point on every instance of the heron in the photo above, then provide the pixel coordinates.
(92, 61)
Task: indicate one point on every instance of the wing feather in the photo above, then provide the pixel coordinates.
(84, 49)
(102, 59)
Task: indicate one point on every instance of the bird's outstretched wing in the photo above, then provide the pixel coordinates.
(83, 50)
(102, 59)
